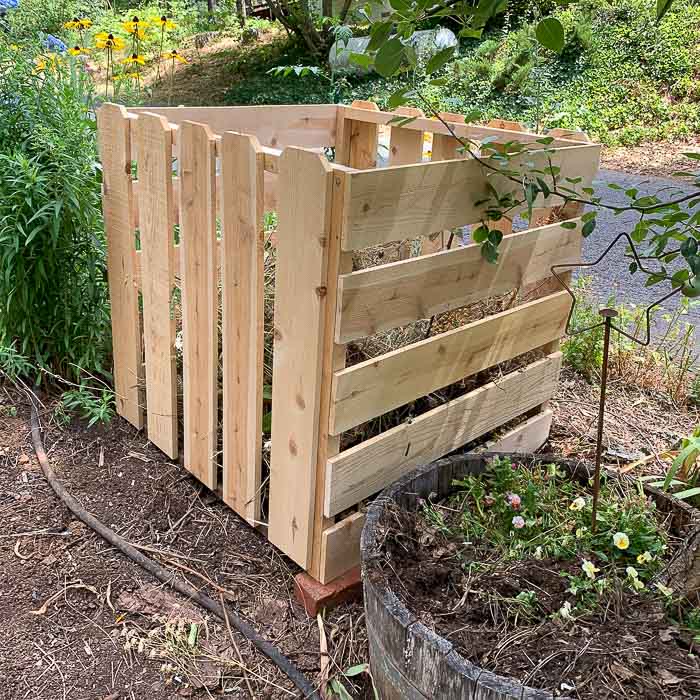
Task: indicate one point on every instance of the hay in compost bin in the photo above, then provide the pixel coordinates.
(361, 350)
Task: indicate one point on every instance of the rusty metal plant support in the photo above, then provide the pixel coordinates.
(607, 316)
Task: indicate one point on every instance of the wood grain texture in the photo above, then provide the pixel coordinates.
(406, 145)
(340, 548)
(114, 137)
(242, 211)
(334, 356)
(199, 288)
(279, 126)
(391, 295)
(371, 388)
(370, 466)
(154, 157)
(409, 201)
(300, 299)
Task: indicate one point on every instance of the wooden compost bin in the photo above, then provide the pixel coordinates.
(205, 177)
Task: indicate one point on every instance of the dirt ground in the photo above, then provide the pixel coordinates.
(652, 159)
(69, 603)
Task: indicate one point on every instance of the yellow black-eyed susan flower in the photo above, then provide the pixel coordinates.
(174, 55)
(78, 51)
(136, 26)
(134, 60)
(103, 40)
(165, 23)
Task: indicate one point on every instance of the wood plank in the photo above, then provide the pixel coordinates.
(340, 549)
(300, 299)
(364, 139)
(378, 385)
(446, 146)
(470, 131)
(243, 291)
(334, 356)
(529, 436)
(359, 472)
(114, 136)
(199, 285)
(341, 541)
(408, 201)
(406, 145)
(387, 296)
(278, 126)
(154, 157)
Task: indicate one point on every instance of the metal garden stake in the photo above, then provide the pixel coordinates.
(607, 316)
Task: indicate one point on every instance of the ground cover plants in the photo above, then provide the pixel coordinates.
(511, 570)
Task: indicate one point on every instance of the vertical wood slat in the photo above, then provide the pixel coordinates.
(242, 271)
(154, 156)
(199, 288)
(114, 132)
(300, 301)
(333, 358)
(356, 144)
(406, 145)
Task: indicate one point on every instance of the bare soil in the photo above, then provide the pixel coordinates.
(660, 159)
(628, 649)
(73, 648)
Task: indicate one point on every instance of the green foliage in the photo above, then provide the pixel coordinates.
(538, 511)
(95, 406)
(53, 293)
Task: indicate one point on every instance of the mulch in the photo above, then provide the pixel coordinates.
(75, 649)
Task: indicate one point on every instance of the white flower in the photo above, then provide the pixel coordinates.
(518, 522)
(637, 584)
(621, 540)
(632, 572)
(589, 568)
(565, 611)
(644, 558)
(538, 553)
(664, 590)
(578, 503)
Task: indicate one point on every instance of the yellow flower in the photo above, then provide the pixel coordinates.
(164, 23)
(77, 51)
(589, 568)
(78, 24)
(134, 59)
(127, 76)
(109, 41)
(664, 590)
(644, 558)
(175, 56)
(578, 503)
(621, 540)
(49, 60)
(136, 26)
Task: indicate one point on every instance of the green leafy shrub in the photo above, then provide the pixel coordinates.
(53, 293)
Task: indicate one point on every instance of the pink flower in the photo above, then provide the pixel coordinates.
(513, 501)
(518, 522)
(515, 466)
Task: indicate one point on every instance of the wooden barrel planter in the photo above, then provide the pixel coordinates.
(409, 661)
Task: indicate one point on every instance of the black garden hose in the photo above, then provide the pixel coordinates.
(161, 573)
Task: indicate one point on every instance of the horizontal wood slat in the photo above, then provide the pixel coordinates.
(388, 296)
(306, 126)
(408, 201)
(341, 542)
(359, 472)
(378, 385)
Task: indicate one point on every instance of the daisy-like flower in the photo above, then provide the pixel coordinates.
(589, 568)
(578, 503)
(109, 41)
(514, 501)
(134, 60)
(644, 558)
(77, 51)
(621, 540)
(518, 522)
(174, 55)
(664, 590)
(164, 23)
(77, 24)
(565, 611)
(136, 26)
